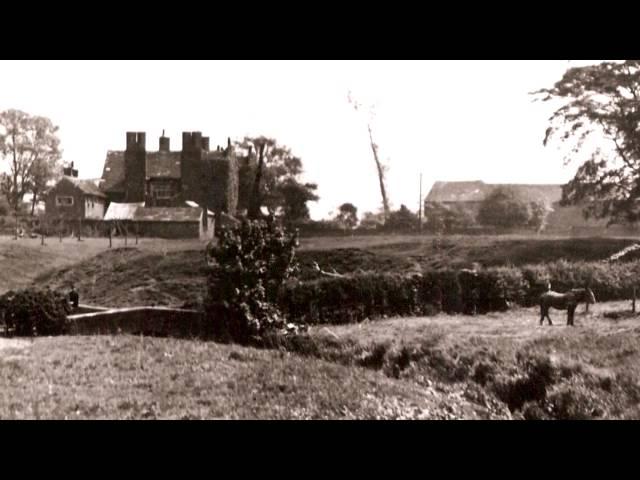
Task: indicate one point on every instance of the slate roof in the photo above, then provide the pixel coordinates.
(113, 172)
(88, 186)
(476, 191)
(163, 165)
(157, 165)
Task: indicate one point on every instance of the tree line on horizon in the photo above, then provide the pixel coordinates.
(600, 101)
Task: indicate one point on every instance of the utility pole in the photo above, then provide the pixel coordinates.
(420, 207)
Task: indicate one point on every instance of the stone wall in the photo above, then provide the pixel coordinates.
(155, 321)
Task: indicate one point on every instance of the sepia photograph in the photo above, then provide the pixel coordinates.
(320, 240)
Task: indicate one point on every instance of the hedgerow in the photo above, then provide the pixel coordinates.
(361, 296)
(32, 312)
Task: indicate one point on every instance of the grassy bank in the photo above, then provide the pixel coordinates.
(126, 377)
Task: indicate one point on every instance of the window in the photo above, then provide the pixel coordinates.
(163, 191)
(64, 201)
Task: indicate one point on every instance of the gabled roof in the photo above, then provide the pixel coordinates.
(88, 186)
(113, 172)
(163, 165)
(476, 191)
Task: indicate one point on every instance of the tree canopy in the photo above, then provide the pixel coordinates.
(280, 189)
(503, 208)
(599, 118)
(402, 219)
(347, 216)
(29, 153)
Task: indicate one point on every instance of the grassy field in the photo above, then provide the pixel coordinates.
(445, 366)
(127, 377)
(24, 259)
(173, 272)
(440, 367)
(593, 365)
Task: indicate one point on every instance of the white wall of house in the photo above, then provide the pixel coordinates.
(93, 207)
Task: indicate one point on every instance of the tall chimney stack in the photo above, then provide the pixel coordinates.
(131, 140)
(164, 143)
(186, 141)
(196, 138)
(142, 141)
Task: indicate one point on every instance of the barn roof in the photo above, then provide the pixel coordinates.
(476, 191)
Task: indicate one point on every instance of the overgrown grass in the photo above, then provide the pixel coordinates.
(127, 377)
(500, 361)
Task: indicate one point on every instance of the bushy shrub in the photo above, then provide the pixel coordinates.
(529, 383)
(253, 260)
(573, 399)
(35, 312)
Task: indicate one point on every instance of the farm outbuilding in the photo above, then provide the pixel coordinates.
(75, 199)
(467, 196)
(161, 222)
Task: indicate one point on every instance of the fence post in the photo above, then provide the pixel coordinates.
(633, 305)
(109, 229)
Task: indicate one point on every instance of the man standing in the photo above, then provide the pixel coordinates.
(74, 298)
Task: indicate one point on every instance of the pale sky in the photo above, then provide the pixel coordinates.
(450, 120)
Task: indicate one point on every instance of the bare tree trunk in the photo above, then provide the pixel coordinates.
(383, 190)
(254, 210)
(34, 200)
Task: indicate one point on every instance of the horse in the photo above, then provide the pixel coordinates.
(564, 301)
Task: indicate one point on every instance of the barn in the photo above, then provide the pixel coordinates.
(467, 196)
(161, 222)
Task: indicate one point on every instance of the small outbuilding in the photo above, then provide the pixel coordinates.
(162, 222)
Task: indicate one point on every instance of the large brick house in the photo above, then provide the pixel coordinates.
(166, 178)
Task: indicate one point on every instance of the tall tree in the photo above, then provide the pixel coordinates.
(44, 172)
(380, 168)
(29, 149)
(503, 208)
(402, 219)
(347, 216)
(600, 102)
(270, 177)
